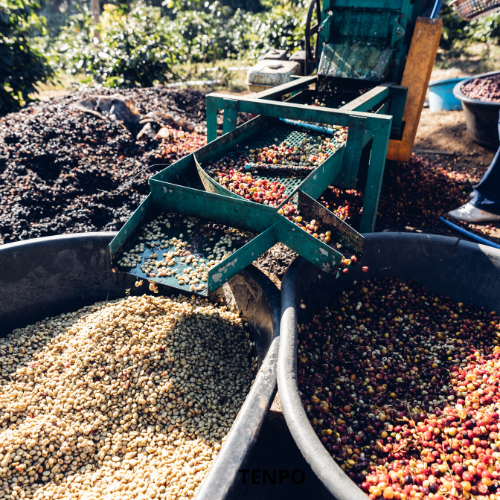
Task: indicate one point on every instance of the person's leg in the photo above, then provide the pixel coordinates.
(485, 204)
(487, 192)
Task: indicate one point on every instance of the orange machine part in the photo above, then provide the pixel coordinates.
(418, 68)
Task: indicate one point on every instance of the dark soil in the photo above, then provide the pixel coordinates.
(66, 171)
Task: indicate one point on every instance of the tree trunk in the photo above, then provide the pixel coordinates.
(96, 11)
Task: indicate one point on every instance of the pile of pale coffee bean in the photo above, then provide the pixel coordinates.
(125, 399)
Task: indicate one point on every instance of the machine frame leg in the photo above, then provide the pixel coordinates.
(230, 115)
(211, 119)
(375, 176)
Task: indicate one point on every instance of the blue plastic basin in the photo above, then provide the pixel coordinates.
(441, 96)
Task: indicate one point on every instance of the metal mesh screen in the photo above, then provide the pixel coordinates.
(277, 134)
(474, 9)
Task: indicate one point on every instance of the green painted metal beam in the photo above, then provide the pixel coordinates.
(368, 100)
(354, 147)
(324, 175)
(397, 108)
(368, 137)
(374, 181)
(231, 266)
(211, 119)
(275, 93)
(230, 115)
(293, 111)
(286, 88)
(312, 249)
(234, 212)
(120, 240)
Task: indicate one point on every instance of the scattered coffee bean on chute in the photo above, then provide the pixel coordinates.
(239, 171)
(189, 255)
(316, 230)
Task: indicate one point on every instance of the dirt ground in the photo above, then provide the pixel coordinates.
(445, 132)
(442, 136)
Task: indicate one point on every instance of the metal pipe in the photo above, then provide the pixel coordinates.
(436, 9)
(309, 126)
(470, 235)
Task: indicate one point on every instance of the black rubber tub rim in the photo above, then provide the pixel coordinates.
(448, 255)
(313, 450)
(82, 260)
(457, 90)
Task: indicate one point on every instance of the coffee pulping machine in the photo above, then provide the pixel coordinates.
(373, 60)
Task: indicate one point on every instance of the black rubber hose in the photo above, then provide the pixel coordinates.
(437, 8)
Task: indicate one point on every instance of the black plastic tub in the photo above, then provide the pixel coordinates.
(463, 271)
(49, 276)
(481, 117)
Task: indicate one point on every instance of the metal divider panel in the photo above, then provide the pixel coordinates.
(337, 252)
(242, 258)
(350, 241)
(210, 184)
(325, 257)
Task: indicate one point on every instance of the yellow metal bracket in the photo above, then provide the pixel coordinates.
(416, 76)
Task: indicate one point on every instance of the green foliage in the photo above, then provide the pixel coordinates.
(210, 36)
(485, 30)
(457, 32)
(22, 64)
(453, 27)
(67, 50)
(139, 47)
(57, 13)
(283, 28)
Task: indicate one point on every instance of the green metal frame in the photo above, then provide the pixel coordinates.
(384, 22)
(385, 99)
(387, 24)
(185, 188)
(372, 129)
